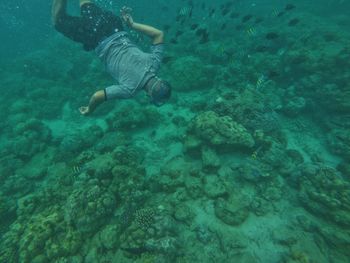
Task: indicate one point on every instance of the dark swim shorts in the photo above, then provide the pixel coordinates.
(93, 26)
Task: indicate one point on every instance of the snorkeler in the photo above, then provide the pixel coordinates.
(103, 32)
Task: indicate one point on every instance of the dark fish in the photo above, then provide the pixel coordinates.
(273, 74)
(203, 6)
(246, 18)
(330, 37)
(293, 22)
(167, 59)
(211, 12)
(234, 15)
(225, 11)
(271, 36)
(190, 14)
(166, 28)
(262, 49)
(223, 26)
(289, 7)
(173, 41)
(178, 33)
(204, 39)
(200, 31)
(280, 14)
(203, 34)
(258, 20)
(239, 27)
(164, 9)
(228, 4)
(154, 132)
(194, 26)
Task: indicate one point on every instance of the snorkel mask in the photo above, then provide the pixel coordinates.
(160, 92)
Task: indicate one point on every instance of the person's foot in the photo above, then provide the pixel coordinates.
(83, 2)
(58, 6)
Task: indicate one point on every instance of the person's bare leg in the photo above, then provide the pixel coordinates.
(82, 2)
(58, 7)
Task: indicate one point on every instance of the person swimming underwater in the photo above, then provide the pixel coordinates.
(102, 31)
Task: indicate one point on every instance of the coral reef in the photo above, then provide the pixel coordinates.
(214, 130)
(122, 120)
(233, 211)
(189, 73)
(214, 187)
(152, 230)
(248, 162)
(324, 192)
(88, 209)
(31, 137)
(45, 237)
(339, 142)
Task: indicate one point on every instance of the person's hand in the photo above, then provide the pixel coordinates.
(125, 13)
(125, 10)
(84, 110)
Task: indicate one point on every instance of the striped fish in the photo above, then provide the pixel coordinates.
(251, 32)
(76, 169)
(186, 11)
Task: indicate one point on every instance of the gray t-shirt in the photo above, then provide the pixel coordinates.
(128, 65)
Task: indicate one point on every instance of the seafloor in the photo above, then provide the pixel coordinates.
(249, 162)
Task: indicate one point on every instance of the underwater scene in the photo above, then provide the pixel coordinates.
(175, 131)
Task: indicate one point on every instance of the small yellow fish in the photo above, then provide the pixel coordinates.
(221, 50)
(256, 152)
(260, 83)
(231, 61)
(254, 155)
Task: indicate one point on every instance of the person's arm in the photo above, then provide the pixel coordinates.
(154, 33)
(95, 100)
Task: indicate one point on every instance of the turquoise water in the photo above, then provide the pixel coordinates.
(248, 161)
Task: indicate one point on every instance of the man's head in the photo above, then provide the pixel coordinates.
(158, 90)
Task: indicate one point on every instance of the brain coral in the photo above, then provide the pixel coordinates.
(219, 131)
(87, 209)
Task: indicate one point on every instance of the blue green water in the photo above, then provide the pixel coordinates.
(249, 161)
